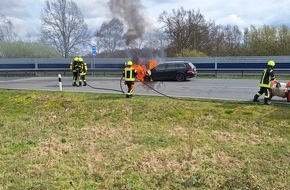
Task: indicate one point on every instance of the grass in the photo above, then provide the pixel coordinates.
(65, 140)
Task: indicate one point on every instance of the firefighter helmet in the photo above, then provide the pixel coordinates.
(80, 59)
(271, 63)
(129, 63)
(76, 59)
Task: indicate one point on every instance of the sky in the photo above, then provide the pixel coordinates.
(25, 14)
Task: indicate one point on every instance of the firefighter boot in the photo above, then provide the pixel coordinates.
(80, 83)
(74, 83)
(256, 98)
(85, 83)
(266, 101)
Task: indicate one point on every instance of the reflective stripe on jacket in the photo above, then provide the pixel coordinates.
(129, 74)
(266, 77)
(84, 69)
(71, 66)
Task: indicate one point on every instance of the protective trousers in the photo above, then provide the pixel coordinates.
(130, 85)
(263, 90)
(75, 77)
(83, 79)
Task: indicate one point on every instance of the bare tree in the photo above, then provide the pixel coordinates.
(63, 26)
(111, 35)
(157, 39)
(191, 31)
(176, 26)
(231, 41)
(186, 30)
(6, 29)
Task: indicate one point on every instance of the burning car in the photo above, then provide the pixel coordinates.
(280, 89)
(170, 70)
(144, 69)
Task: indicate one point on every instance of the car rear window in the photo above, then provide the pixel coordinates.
(191, 64)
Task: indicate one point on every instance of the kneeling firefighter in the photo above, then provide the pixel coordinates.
(266, 78)
(129, 74)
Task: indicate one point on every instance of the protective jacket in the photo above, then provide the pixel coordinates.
(129, 74)
(72, 66)
(267, 77)
(84, 69)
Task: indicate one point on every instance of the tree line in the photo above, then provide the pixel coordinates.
(182, 33)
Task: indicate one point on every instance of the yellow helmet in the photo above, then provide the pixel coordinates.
(80, 59)
(76, 59)
(129, 63)
(271, 63)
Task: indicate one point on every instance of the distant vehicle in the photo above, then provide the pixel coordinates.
(172, 70)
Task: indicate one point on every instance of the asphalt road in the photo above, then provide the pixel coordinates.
(226, 89)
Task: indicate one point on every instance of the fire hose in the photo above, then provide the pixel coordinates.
(148, 87)
(122, 91)
(165, 95)
(110, 89)
(162, 93)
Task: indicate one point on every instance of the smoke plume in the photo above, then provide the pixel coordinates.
(131, 12)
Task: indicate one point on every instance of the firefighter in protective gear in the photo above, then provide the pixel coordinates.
(83, 72)
(266, 78)
(129, 74)
(75, 68)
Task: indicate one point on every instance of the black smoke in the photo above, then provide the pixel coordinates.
(131, 12)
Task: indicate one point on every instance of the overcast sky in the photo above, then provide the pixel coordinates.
(25, 14)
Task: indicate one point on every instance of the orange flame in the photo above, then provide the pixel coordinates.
(142, 70)
(152, 64)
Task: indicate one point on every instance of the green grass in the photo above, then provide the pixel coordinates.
(64, 140)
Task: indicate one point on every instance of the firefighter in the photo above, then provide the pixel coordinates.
(74, 67)
(266, 78)
(83, 72)
(129, 74)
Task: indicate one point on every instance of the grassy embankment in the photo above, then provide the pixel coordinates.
(61, 140)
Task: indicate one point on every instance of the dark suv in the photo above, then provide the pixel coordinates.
(173, 70)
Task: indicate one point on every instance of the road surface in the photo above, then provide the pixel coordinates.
(226, 89)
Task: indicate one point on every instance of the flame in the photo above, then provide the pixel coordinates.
(152, 64)
(143, 70)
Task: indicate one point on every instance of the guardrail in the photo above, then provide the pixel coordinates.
(64, 72)
(118, 72)
(241, 72)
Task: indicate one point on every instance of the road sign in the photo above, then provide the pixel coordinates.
(94, 50)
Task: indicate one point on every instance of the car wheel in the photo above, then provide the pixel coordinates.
(180, 77)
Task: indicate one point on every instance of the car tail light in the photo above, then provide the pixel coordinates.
(191, 70)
